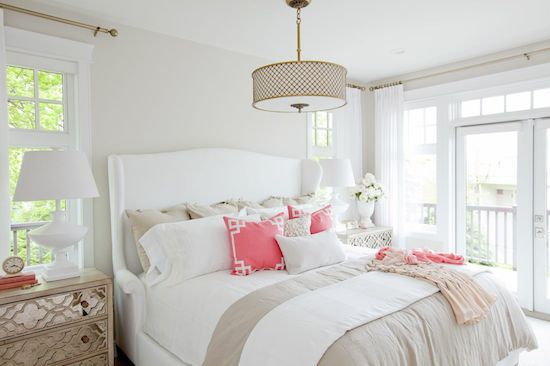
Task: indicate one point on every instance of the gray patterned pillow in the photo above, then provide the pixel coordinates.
(299, 226)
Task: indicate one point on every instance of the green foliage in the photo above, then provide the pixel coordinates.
(50, 85)
(21, 114)
(51, 116)
(20, 82)
(48, 95)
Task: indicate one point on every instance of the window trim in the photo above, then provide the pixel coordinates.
(67, 56)
(422, 231)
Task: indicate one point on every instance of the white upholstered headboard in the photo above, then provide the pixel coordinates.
(199, 175)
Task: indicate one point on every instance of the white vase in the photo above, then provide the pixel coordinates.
(365, 210)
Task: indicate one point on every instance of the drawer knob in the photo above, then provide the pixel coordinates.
(84, 304)
(85, 339)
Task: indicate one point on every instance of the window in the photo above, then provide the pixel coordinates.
(36, 120)
(35, 99)
(47, 103)
(322, 135)
(505, 103)
(419, 168)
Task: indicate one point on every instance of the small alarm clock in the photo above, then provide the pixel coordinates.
(13, 265)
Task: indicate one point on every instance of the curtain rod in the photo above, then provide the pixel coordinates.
(526, 55)
(113, 32)
(355, 86)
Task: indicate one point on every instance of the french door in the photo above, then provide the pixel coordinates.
(502, 204)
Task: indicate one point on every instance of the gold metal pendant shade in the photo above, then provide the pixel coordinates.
(299, 86)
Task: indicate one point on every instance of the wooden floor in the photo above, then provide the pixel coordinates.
(121, 360)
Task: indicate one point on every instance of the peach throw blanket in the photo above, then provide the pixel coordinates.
(469, 301)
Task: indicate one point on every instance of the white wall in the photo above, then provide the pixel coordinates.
(152, 92)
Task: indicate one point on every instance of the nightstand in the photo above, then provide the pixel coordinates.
(66, 322)
(374, 237)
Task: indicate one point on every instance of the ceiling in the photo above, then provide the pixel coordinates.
(374, 39)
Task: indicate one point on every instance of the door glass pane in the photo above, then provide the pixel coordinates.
(491, 187)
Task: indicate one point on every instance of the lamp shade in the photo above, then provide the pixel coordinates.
(299, 86)
(54, 175)
(337, 173)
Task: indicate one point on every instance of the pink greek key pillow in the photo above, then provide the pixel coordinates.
(321, 220)
(253, 244)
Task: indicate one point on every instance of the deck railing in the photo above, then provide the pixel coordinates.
(33, 253)
(490, 233)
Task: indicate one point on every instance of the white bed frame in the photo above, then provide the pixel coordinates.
(200, 175)
(165, 179)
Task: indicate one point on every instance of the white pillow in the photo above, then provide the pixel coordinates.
(183, 250)
(303, 253)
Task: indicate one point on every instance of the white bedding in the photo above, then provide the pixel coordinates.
(182, 318)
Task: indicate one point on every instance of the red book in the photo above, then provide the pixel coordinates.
(16, 279)
(18, 284)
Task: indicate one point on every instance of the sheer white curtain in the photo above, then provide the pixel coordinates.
(388, 121)
(349, 137)
(348, 122)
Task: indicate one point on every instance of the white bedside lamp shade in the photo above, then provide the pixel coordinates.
(337, 173)
(54, 175)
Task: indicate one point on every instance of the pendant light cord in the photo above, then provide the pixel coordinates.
(298, 21)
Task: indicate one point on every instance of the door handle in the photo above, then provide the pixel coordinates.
(539, 232)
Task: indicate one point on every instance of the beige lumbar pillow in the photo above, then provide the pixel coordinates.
(143, 220)
(199, 211)
(277, 201)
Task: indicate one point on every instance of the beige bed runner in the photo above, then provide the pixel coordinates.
(240, 319)
(424, 333)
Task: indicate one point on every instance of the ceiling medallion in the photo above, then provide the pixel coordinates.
(299, 86)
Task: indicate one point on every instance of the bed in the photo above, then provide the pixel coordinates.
(151, 329)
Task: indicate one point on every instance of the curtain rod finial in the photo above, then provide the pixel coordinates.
(113, 32)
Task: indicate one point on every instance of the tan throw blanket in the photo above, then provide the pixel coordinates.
(469, 301)
(422, 334)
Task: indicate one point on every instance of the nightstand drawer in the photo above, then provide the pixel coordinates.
(56, 347)
(375, 237)
(24, 317)
(99, 360)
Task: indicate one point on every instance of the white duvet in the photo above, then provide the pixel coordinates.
(183, 318)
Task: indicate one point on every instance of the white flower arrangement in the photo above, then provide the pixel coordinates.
(369, 190)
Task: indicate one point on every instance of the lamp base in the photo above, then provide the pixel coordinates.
(60, 268)
(338, 208)
(59, 236)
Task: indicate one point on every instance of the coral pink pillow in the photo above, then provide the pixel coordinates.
(253, 244)
(321, 220)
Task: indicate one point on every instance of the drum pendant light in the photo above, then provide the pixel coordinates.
(299, 86)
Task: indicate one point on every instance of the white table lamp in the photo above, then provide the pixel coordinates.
(56, 175)
(337, 173)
